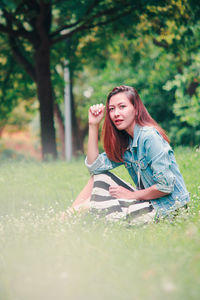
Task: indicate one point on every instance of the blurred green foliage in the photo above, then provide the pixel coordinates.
(162, 63)
(16, 86)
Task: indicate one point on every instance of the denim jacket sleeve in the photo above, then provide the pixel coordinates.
(101, 164)
(158, 157)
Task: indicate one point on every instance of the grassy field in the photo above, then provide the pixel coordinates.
(43, 257)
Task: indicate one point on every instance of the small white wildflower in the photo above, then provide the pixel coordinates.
(191, 230)
(198, 149)
(64, 275)
(168, 285)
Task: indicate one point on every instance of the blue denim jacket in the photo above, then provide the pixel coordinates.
(150, 158)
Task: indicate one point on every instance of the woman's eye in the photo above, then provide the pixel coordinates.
(122, 106)
(111, 108)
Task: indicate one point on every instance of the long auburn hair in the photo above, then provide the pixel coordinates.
(116, 141)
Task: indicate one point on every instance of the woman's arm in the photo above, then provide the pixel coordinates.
(95, 115)
(95, 162)
(157, 152)
(145, 194)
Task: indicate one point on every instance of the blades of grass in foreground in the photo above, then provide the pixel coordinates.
(44, 257)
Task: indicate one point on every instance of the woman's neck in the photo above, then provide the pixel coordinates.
(130, 130)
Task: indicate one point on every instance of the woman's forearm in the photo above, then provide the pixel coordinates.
(95, 116)
(149, 193)
(93, 149)
(145, 194)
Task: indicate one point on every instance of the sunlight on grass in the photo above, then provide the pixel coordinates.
(44, 257)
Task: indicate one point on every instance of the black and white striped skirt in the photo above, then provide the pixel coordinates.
(103, 204)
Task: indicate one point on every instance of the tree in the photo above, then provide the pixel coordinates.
(32, 28)
(180, 37)
(15, 85)
(160, 57)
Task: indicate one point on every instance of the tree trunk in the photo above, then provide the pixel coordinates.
(45, 96)
(61, 128)
(1, 131)
(78, 134)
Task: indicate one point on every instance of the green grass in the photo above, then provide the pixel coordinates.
(42, 257)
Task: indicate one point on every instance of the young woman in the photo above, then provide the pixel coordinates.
(132, 138)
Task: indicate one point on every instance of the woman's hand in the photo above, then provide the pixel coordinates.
(120, 192)
(95, 114)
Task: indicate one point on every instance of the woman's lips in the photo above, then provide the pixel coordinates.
(118, 122)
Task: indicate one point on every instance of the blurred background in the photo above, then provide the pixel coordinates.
(151, 45)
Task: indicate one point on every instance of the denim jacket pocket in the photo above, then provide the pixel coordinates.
(143, 164)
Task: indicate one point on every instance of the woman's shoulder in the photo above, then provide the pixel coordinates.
(147, 128)
(147, 131)
(147, 136)
(150, 133)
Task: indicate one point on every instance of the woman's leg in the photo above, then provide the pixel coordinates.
(83, 199)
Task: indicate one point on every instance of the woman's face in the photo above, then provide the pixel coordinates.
(122, 112)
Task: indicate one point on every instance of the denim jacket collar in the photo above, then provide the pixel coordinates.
(133, 143)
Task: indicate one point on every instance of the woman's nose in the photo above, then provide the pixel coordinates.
(116, 112)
